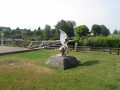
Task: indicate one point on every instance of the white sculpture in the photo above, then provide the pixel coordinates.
(64, 40)
(76, 45)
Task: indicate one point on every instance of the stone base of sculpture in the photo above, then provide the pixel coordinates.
(63, 62)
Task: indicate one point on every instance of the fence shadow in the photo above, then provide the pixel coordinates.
(89, 63)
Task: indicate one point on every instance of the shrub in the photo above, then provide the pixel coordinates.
(76, 40)
(101, 41)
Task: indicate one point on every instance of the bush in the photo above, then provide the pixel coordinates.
(90, 42)
(79, 40)
(100, 42)
(51, 38)
(76, 40)
(18, 43)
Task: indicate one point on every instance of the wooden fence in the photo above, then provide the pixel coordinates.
(84, 48)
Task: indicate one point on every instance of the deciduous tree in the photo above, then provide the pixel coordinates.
(47, 32)
(96, 29)
(81, 30)
(67, 26)
(115, 32)
(104, 30)
(6, 33)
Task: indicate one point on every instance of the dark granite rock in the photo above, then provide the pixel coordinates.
(63, 62)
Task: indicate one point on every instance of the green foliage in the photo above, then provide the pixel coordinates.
(104, 30)
(25, 43)
(90, 42)
(18, 36)
(38, 32)
(7, 28)
(119, 32)
(102, 42)
(115, 32)
(76, 40)
(100, 30)
(52, 38)
(67, 26)
(38, 38)
(29, 33)
(47, 32)
(96, 29)
(81, 30)
(6, 33)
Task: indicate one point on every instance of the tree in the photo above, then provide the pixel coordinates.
(81, 30)
(96, 29)
(15, 33)
(47, 32)
(70, 28)
(66, 26)
(6, 33)
(53, 33)
(104, 31)
(18, 36)
(18, 31)
(29, 32)
(7, 28)
(38, 32)
(115, 32)
(119, 32)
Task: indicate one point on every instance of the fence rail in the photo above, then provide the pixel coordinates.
(10, 39)
(84, 48)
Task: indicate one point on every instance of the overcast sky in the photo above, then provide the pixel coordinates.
(34, 13)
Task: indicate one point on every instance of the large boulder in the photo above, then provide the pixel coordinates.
(63, 62)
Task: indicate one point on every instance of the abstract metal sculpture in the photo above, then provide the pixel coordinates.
(63, 60)
(64, 40)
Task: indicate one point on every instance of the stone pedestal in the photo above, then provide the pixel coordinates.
(63, 62)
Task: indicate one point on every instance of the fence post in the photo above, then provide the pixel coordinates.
(118, 52)
(110, 50)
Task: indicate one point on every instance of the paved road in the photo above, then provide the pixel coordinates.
(7, 49)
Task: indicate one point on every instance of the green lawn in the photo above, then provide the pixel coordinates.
(28, 71)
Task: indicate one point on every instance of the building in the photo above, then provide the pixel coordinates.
(113, 35)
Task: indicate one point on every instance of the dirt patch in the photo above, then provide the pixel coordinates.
(7, 57)
(39, 69)
(13, 63)
(35, 68)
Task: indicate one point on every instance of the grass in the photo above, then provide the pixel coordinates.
(28, 71)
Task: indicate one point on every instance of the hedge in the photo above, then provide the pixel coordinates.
(100, 42)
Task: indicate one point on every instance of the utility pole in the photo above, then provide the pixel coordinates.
(2, 38)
